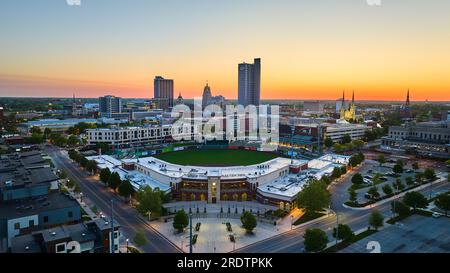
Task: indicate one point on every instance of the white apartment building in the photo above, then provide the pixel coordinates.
(128, 136)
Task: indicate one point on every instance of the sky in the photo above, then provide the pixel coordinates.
(309, 49)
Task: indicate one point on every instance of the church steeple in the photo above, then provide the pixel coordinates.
(408, 102)
(353, 97)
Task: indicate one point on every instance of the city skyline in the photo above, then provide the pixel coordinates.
(324, 47)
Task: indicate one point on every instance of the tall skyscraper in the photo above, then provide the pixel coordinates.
(249, 81)
(163, 92)
(109, 105)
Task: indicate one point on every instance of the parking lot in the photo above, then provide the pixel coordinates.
(416, 234)
(384, 177)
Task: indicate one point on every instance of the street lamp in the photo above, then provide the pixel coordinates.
(149, 216)
(127, 244)
(190, 233)
(292, 219)
(81, 197)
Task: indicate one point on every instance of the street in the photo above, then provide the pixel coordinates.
(292, 241)
(126, 216)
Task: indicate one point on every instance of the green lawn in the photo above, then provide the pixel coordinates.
(217, 157)
(309, 216)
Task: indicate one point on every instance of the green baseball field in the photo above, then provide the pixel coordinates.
(217, 157)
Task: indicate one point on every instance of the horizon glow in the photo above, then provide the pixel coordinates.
(309, 49)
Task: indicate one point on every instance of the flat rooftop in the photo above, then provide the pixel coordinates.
(22, 208)
(226, 173)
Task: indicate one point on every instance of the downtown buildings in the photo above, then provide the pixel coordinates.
(163, 92)
(249, 83)
(430, 139)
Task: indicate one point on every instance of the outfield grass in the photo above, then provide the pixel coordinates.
(217, 157)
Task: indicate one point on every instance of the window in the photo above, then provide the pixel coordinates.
(31, 223)
(45, 219)
(70, 214)
(17, 226)
(60, 248)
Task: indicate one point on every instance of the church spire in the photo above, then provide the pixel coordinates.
(353, 97)
(407, 99)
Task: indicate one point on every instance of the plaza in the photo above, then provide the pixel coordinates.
(213, 236)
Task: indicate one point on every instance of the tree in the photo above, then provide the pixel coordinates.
(248, 221)
(419, 178)
(343, 170)
(398, 185)
(415, 166)
(63, 175)
(73, 140)
(398, 168)
(353, 195)
(36, 130)
(70, 184)
(356, 159)
(140, 239)
(314, 197)
(114, 181)
(387, 189)
(374, 193)
(443, 202)
(337, 147)
(149, 200)
(429, 174)
(381, 159)
(336, 173)
(329, 142)
(315, 240)
(409, 181)
(126, 189)
(58, 139)
(91, 166)
(357, 179)
(84, 161)
(376, 219)
(415, 200)
(77, 188)
(344, 233)
(47, 132)
(346, 139)
(400, 208)
(104, 175)
(400, 162)
(325, 179)
(357, 143)
(180, 221)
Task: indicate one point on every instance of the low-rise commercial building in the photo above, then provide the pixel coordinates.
(30, 198)
(88, 237)
(427, 139)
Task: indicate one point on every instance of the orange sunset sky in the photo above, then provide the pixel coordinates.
(309, 49)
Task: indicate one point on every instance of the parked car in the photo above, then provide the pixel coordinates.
(368, 177)
(383, 179)
(409, 171)
(436, 215)
(367, 181)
